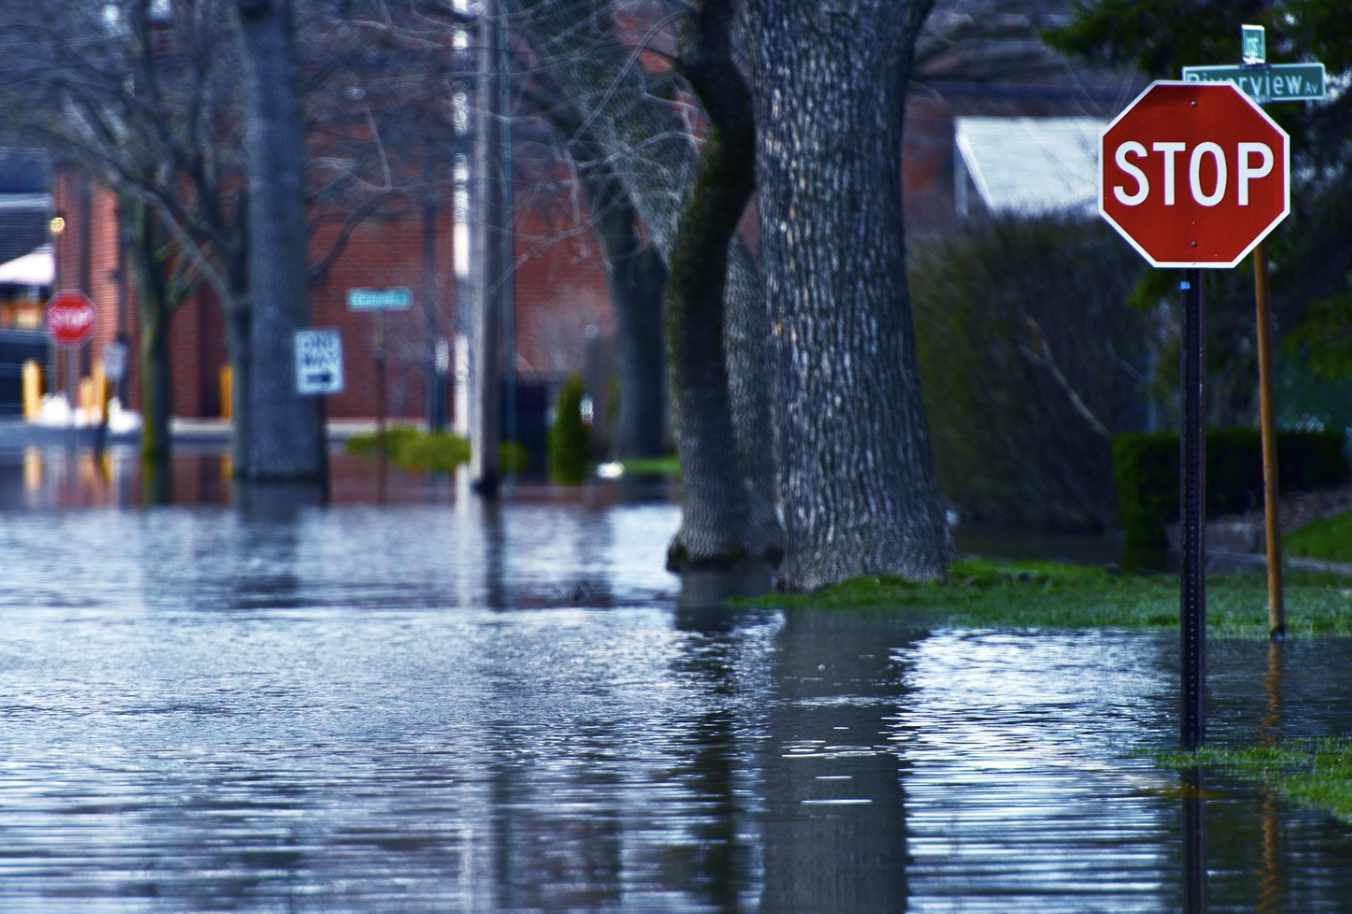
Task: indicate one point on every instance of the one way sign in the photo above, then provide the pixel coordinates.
(319, 362)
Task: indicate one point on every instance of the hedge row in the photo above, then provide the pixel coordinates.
(1145, 471)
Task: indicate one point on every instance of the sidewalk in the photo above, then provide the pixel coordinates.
(205, 431)
(17, 433)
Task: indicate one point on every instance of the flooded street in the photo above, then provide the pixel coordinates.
(434, 706)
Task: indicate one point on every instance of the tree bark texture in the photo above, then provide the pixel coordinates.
(286, 437)
(647, 146)
(855, 467)
(721, 522)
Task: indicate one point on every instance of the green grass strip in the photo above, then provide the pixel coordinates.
(1312, 773)
(1329, 539)
(652, 466)
(982, 593)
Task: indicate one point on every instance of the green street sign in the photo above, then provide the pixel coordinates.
(1254, 44)
(1277, 82)
(395, 299)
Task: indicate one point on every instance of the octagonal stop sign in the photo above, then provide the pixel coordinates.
(70, 317)
(1194, 174)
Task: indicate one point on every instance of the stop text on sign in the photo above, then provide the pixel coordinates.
(1208, 170)
(69, 321)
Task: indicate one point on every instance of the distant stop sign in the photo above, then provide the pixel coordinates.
(70, 317)
(1194, 174)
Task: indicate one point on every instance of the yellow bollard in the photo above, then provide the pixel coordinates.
(86, 398)
(32, 388)
(227, 392)
(98, 400)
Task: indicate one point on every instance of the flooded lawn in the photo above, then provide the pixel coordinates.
(430, 706)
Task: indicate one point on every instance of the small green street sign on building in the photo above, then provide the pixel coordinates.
(397, 298)
(1278, 82)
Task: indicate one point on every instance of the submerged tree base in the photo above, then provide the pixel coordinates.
(681, 559)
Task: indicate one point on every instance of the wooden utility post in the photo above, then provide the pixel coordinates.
(1268, 422)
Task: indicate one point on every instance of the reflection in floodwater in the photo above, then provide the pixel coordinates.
(451, 706)
(1194, 842)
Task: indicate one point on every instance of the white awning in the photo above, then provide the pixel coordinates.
(1029, 165)
(34, 269)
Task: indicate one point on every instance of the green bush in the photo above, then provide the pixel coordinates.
(1145, 471)
(440, 450)
(413, 449)
(1017, 319)
(568, 439)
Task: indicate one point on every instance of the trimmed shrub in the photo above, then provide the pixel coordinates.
(409, 447)
(1145, 471)
(1022, 328)
(568, 439)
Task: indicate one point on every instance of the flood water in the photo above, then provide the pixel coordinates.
(432, 706)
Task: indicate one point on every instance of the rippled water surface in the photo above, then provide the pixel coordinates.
(430, 706)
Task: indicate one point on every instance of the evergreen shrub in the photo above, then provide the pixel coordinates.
(568, 438)
(1145, 471)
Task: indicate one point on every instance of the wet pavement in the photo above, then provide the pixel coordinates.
(434, 706)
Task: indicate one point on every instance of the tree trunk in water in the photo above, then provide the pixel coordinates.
(286, 436)
(154, 311)
(719, 524)
(856, 470)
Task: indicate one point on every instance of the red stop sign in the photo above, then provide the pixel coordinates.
(1194, 174)
(70, 317)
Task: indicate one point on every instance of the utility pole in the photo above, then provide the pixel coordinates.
(489, 268)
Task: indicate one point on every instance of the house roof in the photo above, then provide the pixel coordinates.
(1031, 165)
(37, 268)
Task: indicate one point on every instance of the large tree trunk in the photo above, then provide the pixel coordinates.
(719, 523)
(286, 437)
(856, 471)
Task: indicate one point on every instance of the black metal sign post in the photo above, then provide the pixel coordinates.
(1192, 510)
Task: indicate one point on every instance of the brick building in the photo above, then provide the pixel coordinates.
(560, 297)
